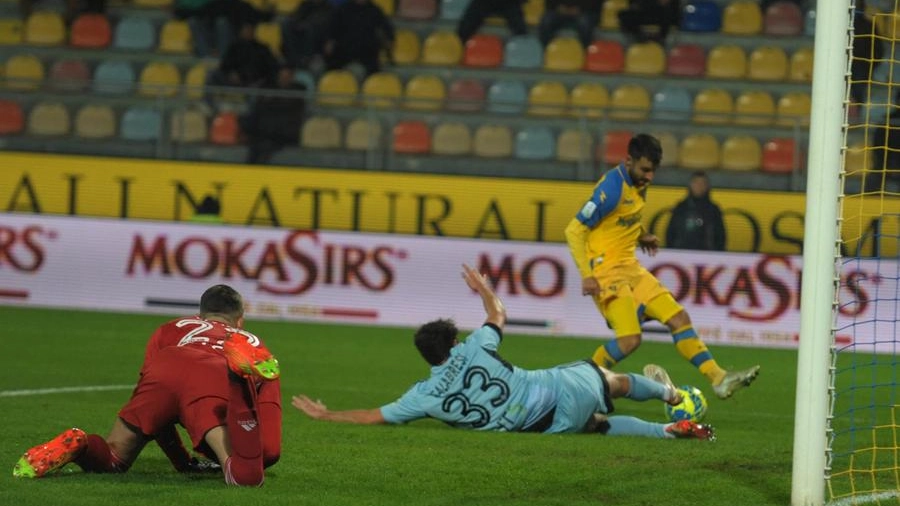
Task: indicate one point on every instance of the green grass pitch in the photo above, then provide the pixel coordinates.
(424, 463)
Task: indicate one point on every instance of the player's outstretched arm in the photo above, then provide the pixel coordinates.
(493, 306)
(319, 411)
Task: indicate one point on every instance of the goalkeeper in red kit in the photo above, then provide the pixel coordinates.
(203, 372)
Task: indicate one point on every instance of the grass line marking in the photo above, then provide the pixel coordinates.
(62, 390)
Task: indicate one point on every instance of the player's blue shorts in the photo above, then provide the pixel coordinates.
(583, 391)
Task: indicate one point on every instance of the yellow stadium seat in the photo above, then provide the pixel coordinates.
(741, 153)
(670, 148)
(270, 35)
(589, 99)
(24, 72)
(493, 141)
(713, 106)
(548, 98)
(382, 89)
(94, 121)
(159, 79)
(407, 48)
(195, 79)
(793, 109)
(564, 54)
(574, 146)
(646, 58)
(424, 92)
(11, 32)
(386, 5)
(801, 70)
(442, 48)
(188, 126)
(320, 132)
(609, 16)
(49, 119)
(742, 17)
(152, 4)
(45, 28)
(363, 135)
(630, 102)
(175, 37)
(453, 139)
(726, 62)
(533, 10)
(286, 7)
(857, 160)
(338, 88)
(754, 108)
(768, 63)
(699, 152)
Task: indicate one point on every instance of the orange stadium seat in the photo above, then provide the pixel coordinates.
(713, 106)
(45, 28)
(49, 119)
(363, 135)
(442, 48)
(382, 90)
(466, 94)
(793, 109)
(686, 60)
(69, 75)
(407, 48)
(424, 92)
(615, 146)
(741, 153)
(417, 9)
(452, 139)
(783, 18)
(630, 102)
(768, 63)
(564, 54)
(647, 58)
(12, 118)
(742, 17)
(224, 130)
(548, 98)
(337, 87)
(483, 50)
(90, 31)
(493, 141)
(699, 152)
(589, 99)
(574, 146)
(605, 57)
(801, 66)
(754, 108)
(781, 156)
(726, 62)
(412, 137)
(321, 132)
(95, 121)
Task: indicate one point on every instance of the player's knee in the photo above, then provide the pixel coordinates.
(679, 320)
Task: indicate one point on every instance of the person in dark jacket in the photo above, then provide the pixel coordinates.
(650, 20)
(582, 15)
(305, 32)
(868, 51)
(247, 63)
(478, 10)
(359, 32)
(696, 221)
(275, 119)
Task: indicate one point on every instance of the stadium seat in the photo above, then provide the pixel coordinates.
(767, 63)
(24, 72)
(615, 146)
(363, 134)
(741, 153)
(783, 18)
(442, 48)
(69, 75)
(686, 60)
(588, 99)
(605, 57)
(337, 88)
(857, 160)
(801, 67)
(466, 95)
(424, 92)
(564, 54)
(492, 141)
(609, 15)
(647, 58)
(112, 77)
(141, 124)
(809, 23)
(742, 17)
(188, 126)
(224, 129)
(713, 107)
(134, 33)
(49, 119)
(11, 32)
(90, 31)
(670, 148)
(780, 156)
(533, 10)
(523, 52)
(407, 48)
(754, 108)
(412, 137)
(483, 50)
(286, 7)
(45, 28)
(387, 6)
(701, 16)
(672, 103)
(793, 109)
(321, 132)
(159, 79)
(382, 90)
(452, 139)
(153, 4)
(417, 9)
(507, 97)
(12, 118)
(574, 146)
(195, 79)
(175, 37)
(630, 102)
(305, 79)
(548, 98)
(535, 143)
(270, 35)
(452, 10)
(699, 152)
(726, 62)
(95, 121)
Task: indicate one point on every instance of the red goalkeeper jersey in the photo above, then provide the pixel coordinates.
(195, 333)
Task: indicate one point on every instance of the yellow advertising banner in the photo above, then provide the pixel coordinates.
(386, 202)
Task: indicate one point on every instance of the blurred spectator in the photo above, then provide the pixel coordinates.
(650, 20)
(868, 50)
(582, 15)
(209, 211)
(275, 119)
(304, 33)
(885, 157)
(478, 10)
(72, 10)
(359, 32)
(247, 63)
(696, 221)
(216, 23)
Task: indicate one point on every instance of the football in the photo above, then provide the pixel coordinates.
(693, 407)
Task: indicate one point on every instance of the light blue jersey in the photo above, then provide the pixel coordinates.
(476, 389)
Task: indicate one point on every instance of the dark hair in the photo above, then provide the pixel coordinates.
(645, 146)
(222, 300)
(699, 173)
(434, 340)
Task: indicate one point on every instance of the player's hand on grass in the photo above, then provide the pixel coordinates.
(313, 409)
(649, 244)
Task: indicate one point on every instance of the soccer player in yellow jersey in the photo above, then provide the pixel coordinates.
(603, 238)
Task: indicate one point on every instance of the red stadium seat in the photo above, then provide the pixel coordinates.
(615, 146)
(12, 119)
(466, 95)
(781, 156)
(783, 18)
(69, 75)
(90, 31)
(688, 60)
(605, 56)
(483, 50)
(412, 137)
(224, 130)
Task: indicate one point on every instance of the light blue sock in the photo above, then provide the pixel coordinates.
(631, 426)
(643, 388)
